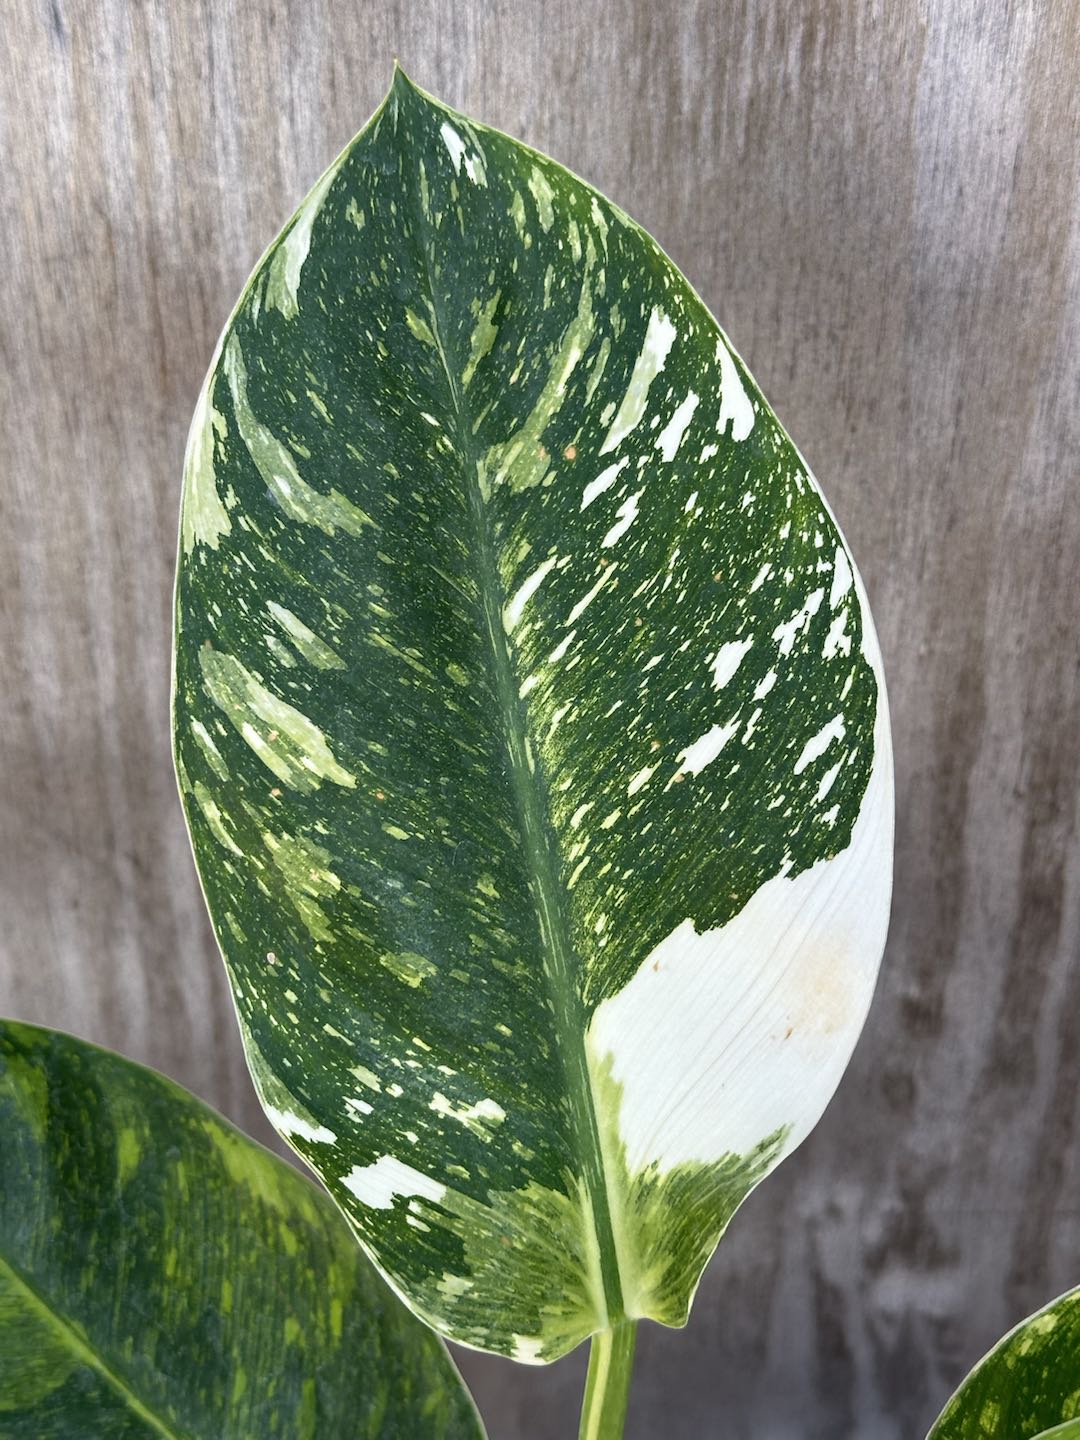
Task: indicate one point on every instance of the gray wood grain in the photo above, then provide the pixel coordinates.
(880, 203)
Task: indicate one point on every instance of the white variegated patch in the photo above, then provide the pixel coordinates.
(723, 1038)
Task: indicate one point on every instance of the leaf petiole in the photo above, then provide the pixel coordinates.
(607, 1386)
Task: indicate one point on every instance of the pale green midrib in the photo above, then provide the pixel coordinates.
(87, 1353)
(558, 951)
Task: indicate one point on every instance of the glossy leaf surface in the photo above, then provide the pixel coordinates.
(1027, 1387)
(163, 1276)
(532, 735)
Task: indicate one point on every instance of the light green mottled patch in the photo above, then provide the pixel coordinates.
(596, 372)
(305, 868)
(483, 335)
(315, 651)
(214, 818)
(320, 405)
(480, 1117)
(517, 214)
(365, 1076)
(210, 750)
(204, 518)
(408, 967)
(420, 328)
(287, 261)
(543, 194)
(287, 742)
(280, 651)
(128, 1153)
(523, 461)
(297, 499)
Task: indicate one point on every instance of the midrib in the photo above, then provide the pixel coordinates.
(86, 1352)
(546, 886)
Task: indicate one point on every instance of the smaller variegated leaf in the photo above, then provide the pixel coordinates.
(162, 1277)
(1027, 1387)
(531, 731)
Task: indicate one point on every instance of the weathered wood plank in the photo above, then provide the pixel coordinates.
(880, 203)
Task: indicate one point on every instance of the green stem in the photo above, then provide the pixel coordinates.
(607, 1388)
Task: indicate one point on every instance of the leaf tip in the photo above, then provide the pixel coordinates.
(400, 84)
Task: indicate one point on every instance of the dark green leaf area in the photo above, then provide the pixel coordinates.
(163, 1276)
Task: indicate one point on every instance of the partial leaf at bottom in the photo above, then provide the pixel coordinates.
(1027, 1387)
(164, 1278)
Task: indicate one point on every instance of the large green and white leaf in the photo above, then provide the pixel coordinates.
(1027, 1387)
(163, 1276)
(531, 730)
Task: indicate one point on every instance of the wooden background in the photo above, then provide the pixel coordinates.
(880, 203)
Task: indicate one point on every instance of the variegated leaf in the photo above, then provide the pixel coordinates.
(1027, 1387)
(532, 735)
(162, 1277)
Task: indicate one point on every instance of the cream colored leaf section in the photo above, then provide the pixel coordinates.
(721, 1039)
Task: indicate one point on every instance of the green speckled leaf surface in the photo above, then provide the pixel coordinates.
(1027, 1387)
(162, 1276)
(532, 735)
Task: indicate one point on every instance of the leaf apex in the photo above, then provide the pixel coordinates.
(402, 85)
